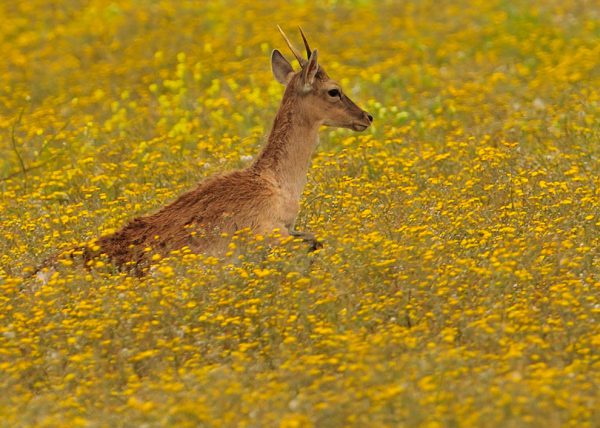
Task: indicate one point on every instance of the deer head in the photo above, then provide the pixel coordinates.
(320, 98)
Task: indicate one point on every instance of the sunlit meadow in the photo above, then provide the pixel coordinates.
(459, 281)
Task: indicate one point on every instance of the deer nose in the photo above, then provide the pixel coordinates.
(369, 117)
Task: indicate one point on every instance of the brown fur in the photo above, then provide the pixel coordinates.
(262, 197)
(221, 204)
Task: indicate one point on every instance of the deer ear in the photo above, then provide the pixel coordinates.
(309, 71)
(282, 69)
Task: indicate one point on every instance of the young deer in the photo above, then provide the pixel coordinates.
(263, 197)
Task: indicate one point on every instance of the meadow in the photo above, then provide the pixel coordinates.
(459, 281)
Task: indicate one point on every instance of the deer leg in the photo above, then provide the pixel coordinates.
(307, 237)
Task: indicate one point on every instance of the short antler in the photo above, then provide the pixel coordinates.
(308, 49)
(301, 60)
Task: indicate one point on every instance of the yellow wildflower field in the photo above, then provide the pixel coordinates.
(459, 282)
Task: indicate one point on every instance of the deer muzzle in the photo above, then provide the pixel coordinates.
(364, 122)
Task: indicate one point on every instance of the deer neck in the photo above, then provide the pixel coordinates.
(289, 148)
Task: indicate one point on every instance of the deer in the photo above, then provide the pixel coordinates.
(263, 197)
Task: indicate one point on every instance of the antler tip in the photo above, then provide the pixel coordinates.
(306, 45)
(301, 60)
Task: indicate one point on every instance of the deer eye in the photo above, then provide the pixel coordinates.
(334, 92)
